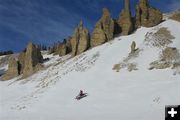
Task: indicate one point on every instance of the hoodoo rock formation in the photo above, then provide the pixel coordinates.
(32, 60)
(125, 19)
(147, 16)
(80, 41)
(29, 61)
(60, 49)
(133, 47)
(104, 29)
(12, 69)
(68, 45)
(21, 60)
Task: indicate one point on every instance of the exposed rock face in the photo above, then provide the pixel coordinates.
(52, 50)
(147, 16)
(29, 61)
(161, 38)
(170, 57)
(159, 65)
(74, 44)
(12, 69)
(84, 39)
(61, 50)
(58, 49)
(68, 45)
(176, 16)
(176, 65)
(80, 41)
(21, 60)
(32, 60)
(130, 67)
(133, 47)
(125, 20)
(117, 28)
(104, 29)
(55, 49)
(170, 54)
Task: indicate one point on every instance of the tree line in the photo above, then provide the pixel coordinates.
(6, 52)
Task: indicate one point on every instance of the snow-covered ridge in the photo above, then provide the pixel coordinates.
(139, 95)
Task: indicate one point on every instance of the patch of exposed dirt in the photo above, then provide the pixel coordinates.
(161, 38)
(126, 64)
(170, 57)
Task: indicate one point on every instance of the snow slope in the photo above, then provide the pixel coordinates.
(124, 95)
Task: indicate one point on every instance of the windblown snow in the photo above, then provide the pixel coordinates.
(137, 95)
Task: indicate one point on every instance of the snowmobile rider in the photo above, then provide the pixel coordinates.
(81, 93)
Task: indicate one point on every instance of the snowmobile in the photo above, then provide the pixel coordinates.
(81, 95)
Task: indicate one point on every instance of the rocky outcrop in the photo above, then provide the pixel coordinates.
(104, 29)
(170, 54)
(125, 19)
(170, 57)
(28, 62)
(133, 47)
(52, 49)
(55, 49)
(32, 60)
(21, 60)
(68, 45)
(84, 39)
(147, 16)
(117, 28)
(161, 38)
(61, 49)
(80, 41)
(176, 16)
(159, 65)
(176, 65)
(13, 69)
(58, 49)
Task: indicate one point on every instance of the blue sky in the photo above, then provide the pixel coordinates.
(48, 21)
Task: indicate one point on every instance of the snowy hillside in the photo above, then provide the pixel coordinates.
(137, 95)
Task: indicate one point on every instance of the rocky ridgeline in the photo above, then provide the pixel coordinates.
(77, 44)
(28, 62)
(107, 28)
